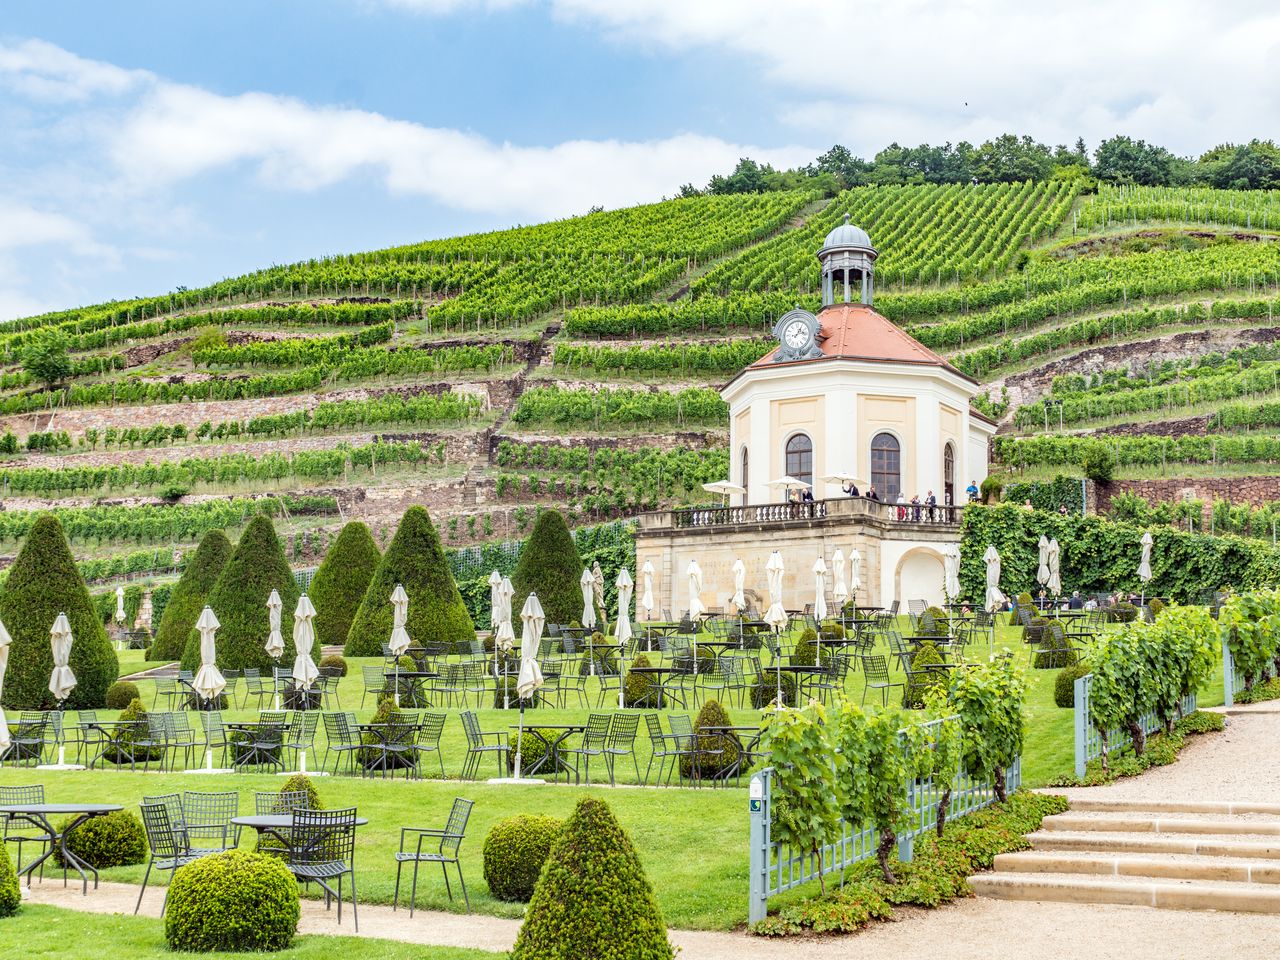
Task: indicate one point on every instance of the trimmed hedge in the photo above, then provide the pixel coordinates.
(414, 558)
(514, 852)
(123, 751)
(764, 691)
(1054, 652)
(42, 583)
(716, 753)
(642, 689)
(342, 581)
(121, 694)
(187, 599)
(239, 598)
(913, 696)
(301, 783)
(593, 899)
(115, 840)
(333, 664)
(235, 902)
(1064, 685)
(551, 567)
(10, 892)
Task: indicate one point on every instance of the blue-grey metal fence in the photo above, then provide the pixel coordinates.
(1089, 740)
(776, 868)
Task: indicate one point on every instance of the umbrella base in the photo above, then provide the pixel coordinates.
(522, 781)
(208, 770)
(302, 773)
(61, 766)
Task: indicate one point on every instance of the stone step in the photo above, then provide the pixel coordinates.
(1252, 825)
(1229, 807)
(1129, 843)
(1130, 891)
(1165, 866)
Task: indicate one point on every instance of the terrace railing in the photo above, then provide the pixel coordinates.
(776, 867)
(815, 510)
(1089, 739)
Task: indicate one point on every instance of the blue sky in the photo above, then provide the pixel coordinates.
(149, 145)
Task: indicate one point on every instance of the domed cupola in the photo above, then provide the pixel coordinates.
(847, 257)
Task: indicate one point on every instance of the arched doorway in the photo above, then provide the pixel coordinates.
(886, 466)
(921, 576)
(949, 474)
(800, 458)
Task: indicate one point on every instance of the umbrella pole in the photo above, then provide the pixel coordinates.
(622, 673)
(519, 739)
(777, 661)
(506, 689)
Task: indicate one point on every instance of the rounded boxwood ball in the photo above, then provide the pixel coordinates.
(514, 853)
(114, 840)
(122, 693)
(10, 892)
(1064, 685)
(233, 901)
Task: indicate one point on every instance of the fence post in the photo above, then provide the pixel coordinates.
(1081, 713)
(1228, 675)
(907, 841)
(758, 805)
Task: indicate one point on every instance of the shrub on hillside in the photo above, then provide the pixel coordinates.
(43, 582)
(551, 567)
(592, 898)
(115, 840)
(714, 753)
(121, 694)
(342, 581)
(1064, 685)
(1099, 463)
(514, 852)
(415, 559)
(239, 598)
(301, 783)
(187, 599)
(236, 902)
(991, 489)
(10, 892)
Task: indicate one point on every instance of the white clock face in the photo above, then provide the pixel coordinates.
(796, 335)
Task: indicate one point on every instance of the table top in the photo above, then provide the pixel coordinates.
(548, 726)
(731, 729)
(44, 809)
(652, 670)
(276, 821)
(413, 674)
(798, 668)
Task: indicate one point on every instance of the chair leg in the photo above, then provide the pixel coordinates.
(395, 897)
(462, 883)
(145, 877)
(355, 908)
(444, 868)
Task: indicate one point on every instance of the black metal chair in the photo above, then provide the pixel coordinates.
(622, 741)
(478, 744)
(663, 747)
(168, 845)
(322, 848)
(341, 740)
(208, 819)
(18, 832)
(427, 740)
(875, 672)
(594, 739)
(26, 741)
(450, 838)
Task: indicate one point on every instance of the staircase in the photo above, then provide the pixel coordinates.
(1177, 855)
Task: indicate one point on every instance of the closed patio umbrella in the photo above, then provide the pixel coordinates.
(5, 640)
(839, 583)
(819, 601)
(623, 629)
(504, 637)
(951, 571)
(399, 641)
(995, 599)
(776, 616)
(495, 584)
(62, 681)
(1042, 571)
(738, 599)
(120, 605)
(305, 672)
(1144, 564)
(208, 682)
(646, 595)
(1055, 568)
(588, 584)
(530, 679)
(275, 642)
(855, 573)
(694, 572)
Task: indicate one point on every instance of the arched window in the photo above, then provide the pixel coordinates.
(886, 466)
(745, 480)
(948, 474)
(800, 458)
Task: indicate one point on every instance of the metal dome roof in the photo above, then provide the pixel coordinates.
(847, 235)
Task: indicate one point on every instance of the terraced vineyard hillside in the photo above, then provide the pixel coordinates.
(576, 363)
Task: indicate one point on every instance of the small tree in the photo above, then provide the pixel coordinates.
(342, 581)
(1099, 463)
(990, 699)
(550, 566)
(807, 811)
(189, 595)
(47, 359)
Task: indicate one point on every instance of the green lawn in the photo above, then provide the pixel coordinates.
(43, 931)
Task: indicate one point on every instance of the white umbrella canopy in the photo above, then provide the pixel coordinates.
(839, 585)
(209, 681)
(495, 584)
(588, 584)
(855, 572)
(951, 570)
(62, 681)
(694, 572)
(840, 478)
(723, 487)
(738, 599)
(1042, 571)
(305, 672)
(1144, 565)
(275, 642)
(532, 619)
(787, 484)
(646, 595)
(504, 638)
(775, 616)
(995, 599)
(820, 589)
(625, 585)
(1055, 571)
(399, 641)
(119, 604)
(5, 640)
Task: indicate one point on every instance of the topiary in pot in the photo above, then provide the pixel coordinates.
(301, 783)
(342, 581)
(592, 898)
(716, 753)
(1064, 685)
(918, 687)
(115, 840)
(122, 693)
(514, 852)
(188, 596)
(10, 892)
(416, 560)
(642, 689)
(333, 666)
(236, 902)
(239, 597)
(43, 582)
(551, 567)
(764, 690)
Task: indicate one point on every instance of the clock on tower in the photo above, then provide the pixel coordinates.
(797, 333)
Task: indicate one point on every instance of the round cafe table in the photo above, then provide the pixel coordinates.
(40, 815)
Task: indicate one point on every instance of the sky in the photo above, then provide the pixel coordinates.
(147, 144)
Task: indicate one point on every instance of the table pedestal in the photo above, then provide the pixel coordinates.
(62, 763)
(522, 781)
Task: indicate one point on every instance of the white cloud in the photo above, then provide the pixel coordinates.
(437, 7)
(24, 226)
(43, 71)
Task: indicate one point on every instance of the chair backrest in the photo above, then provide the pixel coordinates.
(165, 838)
(656, 736)
(568, 645)
(430, 728)
(166, 684)
(681, 729)
(875, 668)
(273, 716)
(337, 729)
(373, 678)
(471, 727)
(266, 804)
(322, 837)
(597, 731)
(12, 796)
(210, 809)
(157, 726)
(215, 733)
(456, 827)
(622, 729)
(178, 728)
(302, 729)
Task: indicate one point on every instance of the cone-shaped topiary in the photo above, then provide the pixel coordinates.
(239, 600)
(10, 892)
(550, 567)
(593, 899)
(415, 559)
(44, 582)
(342, 581)
(189, 595)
